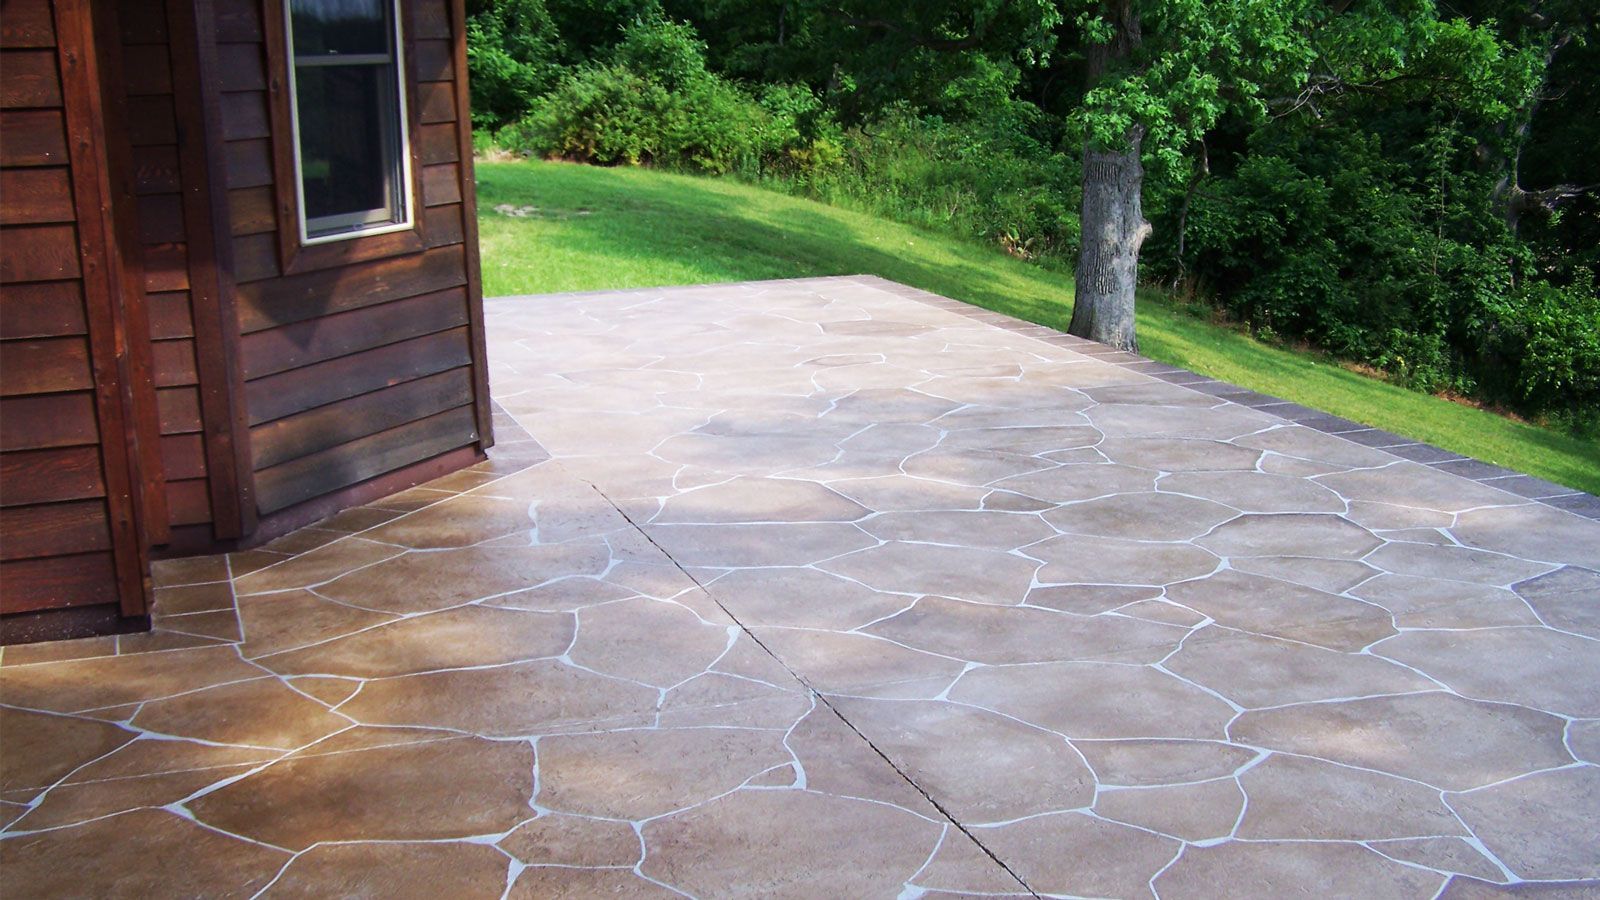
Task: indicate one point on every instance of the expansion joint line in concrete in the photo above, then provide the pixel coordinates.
(820, 697)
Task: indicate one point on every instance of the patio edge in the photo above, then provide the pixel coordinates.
(1520, 484)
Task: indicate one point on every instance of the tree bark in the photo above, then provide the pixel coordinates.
(1114, 228)
(1113, 223)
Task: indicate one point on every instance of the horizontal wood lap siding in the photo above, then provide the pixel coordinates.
(360, 362)
(56, 536)
(248, 139)
(160, 180)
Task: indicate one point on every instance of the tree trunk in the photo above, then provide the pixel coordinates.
(1113, 222)
(1113, 230)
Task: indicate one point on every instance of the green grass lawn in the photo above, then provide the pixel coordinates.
(592, 229)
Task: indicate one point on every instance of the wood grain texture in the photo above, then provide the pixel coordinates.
(430, 19)
(249, 163)
(30, 79)
(170, 316)
(301, 389)
(235, 20)
(111, 298)
(166, 267)
(38, 253)
(42, 309)
(252, 211)
(183, 456)
(255, 257)
(188, 502)
(303, 343)
(432, 60)
(32, 137)
(441, 184)
(296, 298)
(329, 426)
(49, 420)
(56, 582)
(445, 225)
(241, 67)
(33, 531)
(437, 101)
(35, 196)
(438, 144)
(45, 366)
(311, 476)
(48, 476)
(27, 23)
(174, 363)
(178, 409)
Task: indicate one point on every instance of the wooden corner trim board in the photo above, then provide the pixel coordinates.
(193, 30)
(469, 222)
(102, 270)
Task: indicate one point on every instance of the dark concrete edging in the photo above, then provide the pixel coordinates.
(1510, 480)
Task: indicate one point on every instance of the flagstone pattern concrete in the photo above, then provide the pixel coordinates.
(829, 588)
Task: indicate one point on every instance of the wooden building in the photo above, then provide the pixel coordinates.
(238, 282)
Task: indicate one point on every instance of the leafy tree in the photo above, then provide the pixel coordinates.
(513, 51)
(1159, 75)
(1406, 183)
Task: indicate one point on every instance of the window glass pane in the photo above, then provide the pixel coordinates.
(343, 27)
(349, 120)
(348, 162)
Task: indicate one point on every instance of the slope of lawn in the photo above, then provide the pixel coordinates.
(577, 228)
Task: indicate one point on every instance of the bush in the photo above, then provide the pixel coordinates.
(655, 102)
(1331, 237)
(598, 114)
(666, 52)
(957, 179)
(1548, 339)
(513, 56)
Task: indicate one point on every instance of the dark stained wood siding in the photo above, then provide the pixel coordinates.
(359, 357)
(174, 366)
(160, 180)
(68, 517)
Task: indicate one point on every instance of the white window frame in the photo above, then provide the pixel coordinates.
(405, 194)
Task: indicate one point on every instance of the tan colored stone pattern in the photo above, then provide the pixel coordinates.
(807, 589)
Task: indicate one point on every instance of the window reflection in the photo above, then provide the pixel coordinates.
(349, 122)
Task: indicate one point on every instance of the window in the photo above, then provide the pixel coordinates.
(348, 105)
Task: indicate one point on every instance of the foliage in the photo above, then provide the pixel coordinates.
(514, 54)
(654, 100)
(1406, 185)
(1367, 228)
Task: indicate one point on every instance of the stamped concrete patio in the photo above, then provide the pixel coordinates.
(825, 589)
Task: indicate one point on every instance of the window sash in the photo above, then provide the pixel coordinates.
(353, 59)
(398, 214)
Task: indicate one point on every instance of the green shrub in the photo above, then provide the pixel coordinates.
(954, 178)
(513, 52)
(1548, 338)
(655, 102)
(666, 52)
(598, 114)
